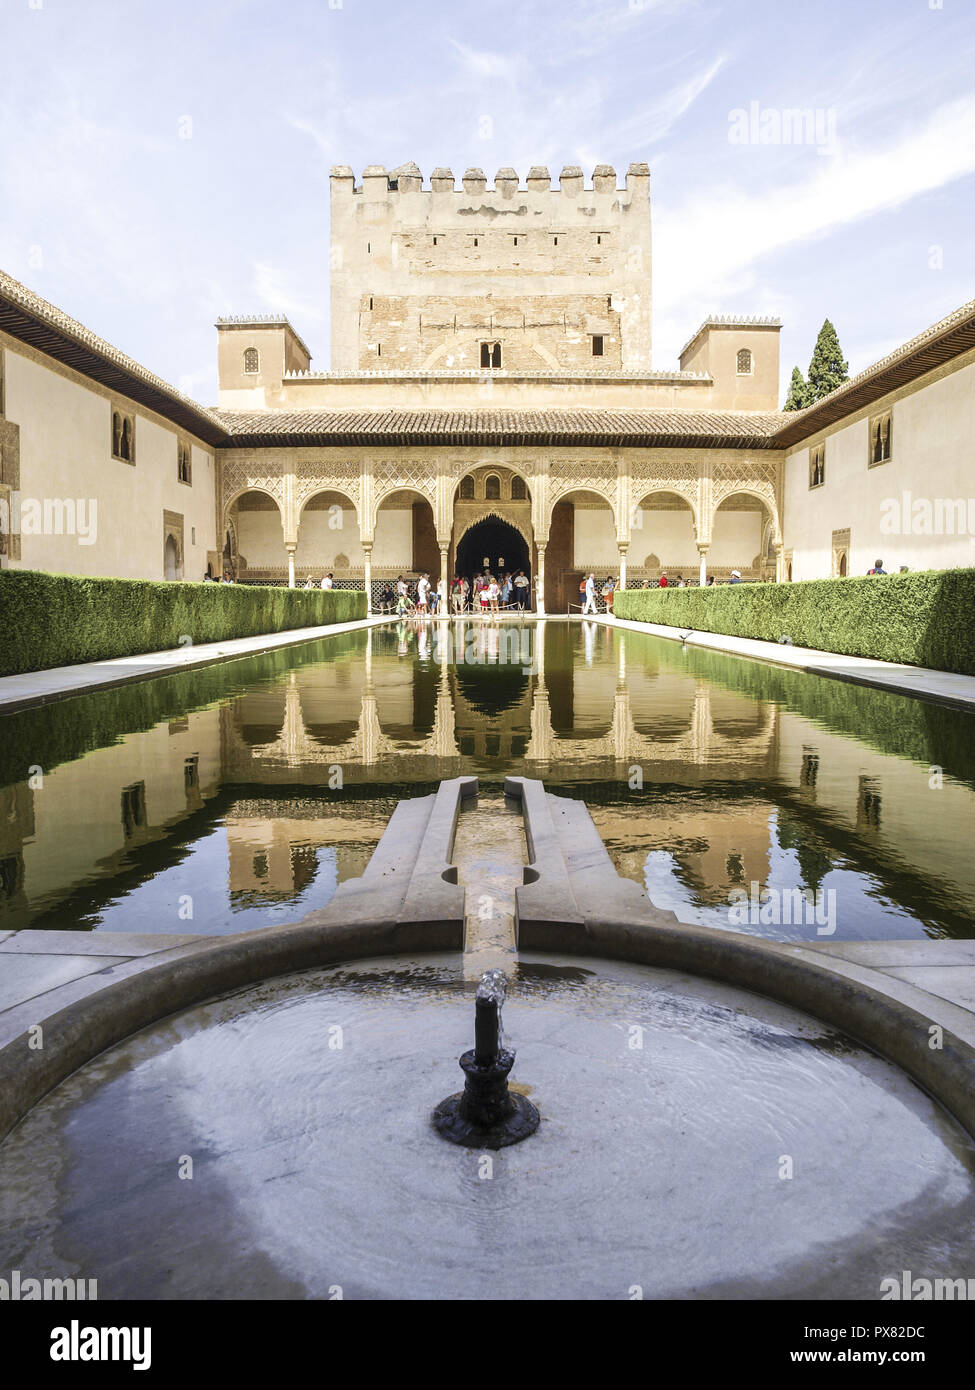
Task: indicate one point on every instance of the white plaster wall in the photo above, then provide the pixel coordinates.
(595, 539)
(667, 534)
(65, 452)
(933, 428)
(393, 543)
(321, 538)
(736, 538)
(260, 539)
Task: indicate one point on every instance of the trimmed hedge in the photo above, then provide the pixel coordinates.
(919, 619)
(60, 619)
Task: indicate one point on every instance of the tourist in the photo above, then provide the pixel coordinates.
(423, 593)
(386, 599)
(506, 591)
(326, 581)
(465, 589)
(606, 593)
(663, 581)
(521, 590)
(457, 594)
(735, 577)
(680, 582)
(480, 584)
(493, 592)
(589, 589)
(878, 568)
(709, 584)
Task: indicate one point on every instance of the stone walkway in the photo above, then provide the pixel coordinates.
(39, 687)
(945, 687)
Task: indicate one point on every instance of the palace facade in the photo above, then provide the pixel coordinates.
(490, 401)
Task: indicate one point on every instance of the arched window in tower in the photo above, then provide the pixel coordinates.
(466, 492)
(880, 439)
(744, 362)
(116, 435)
(492, 488)
(125, 448)
(252, 361)
(518, 493)
(490, 354)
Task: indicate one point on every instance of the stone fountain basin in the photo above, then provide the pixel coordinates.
(697, 1141)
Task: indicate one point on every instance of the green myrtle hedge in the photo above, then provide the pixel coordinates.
(920, 619)
(59, 619)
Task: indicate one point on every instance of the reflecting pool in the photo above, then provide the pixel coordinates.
(741, 795)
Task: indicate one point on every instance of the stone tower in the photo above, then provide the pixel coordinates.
(522, 279)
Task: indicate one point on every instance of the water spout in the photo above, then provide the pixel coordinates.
(486, 1115)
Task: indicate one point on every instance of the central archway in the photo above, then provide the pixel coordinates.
(496, 542)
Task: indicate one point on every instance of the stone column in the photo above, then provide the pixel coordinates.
(540, 581)
(444, 576)
(702, 550)
(779, 564)
(367, 552)
(291, 548)
(622, 550)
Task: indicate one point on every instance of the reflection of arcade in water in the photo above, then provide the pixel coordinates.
(257, 805)
(484, 694)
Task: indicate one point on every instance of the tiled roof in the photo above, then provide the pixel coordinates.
(730, 321)
(706, 429)
(25, 315)
(948, 338)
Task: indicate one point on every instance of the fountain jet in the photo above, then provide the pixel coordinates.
(486, 1115)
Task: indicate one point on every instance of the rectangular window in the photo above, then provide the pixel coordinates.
(881, 439)
(817, 465)
(597, 345)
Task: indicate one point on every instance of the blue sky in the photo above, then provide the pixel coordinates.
(161, 164)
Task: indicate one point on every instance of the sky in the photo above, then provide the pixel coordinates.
(163, 164)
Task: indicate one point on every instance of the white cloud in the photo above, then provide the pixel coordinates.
(708, 247)
(272, 291)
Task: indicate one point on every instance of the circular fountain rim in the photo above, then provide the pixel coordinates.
(91, 1015)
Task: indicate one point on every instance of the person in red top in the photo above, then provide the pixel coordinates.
(663, 581)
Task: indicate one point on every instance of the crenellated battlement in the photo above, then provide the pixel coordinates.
(407, 178)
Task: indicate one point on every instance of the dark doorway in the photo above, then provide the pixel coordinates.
(501, 545)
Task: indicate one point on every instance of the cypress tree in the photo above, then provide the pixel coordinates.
(828, 368)
(798, 392)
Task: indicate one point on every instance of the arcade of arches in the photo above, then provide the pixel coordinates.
(292, 519)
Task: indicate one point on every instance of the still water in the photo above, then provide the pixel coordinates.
(239, 796)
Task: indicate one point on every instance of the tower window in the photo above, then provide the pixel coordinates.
(466, 492)
(555, 241)
(745, 362)
(490, 354)
(492, 488)
(518, 493)
(475, 241)
(370, 301)
(184, 467)
(434, 241)
(252, 361)
(597, 345)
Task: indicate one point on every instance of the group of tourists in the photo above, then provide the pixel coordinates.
(484, 593)
(588, 588)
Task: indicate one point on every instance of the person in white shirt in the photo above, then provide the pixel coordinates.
(326, 581)
(590, 595)
(422, 593)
